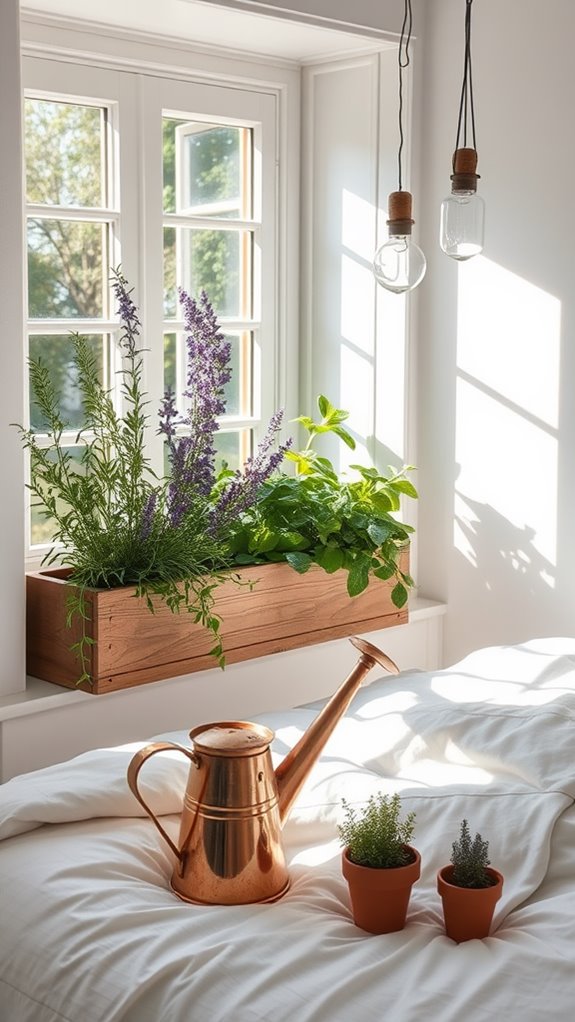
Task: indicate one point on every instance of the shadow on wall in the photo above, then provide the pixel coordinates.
(505, 585)
(510, 441)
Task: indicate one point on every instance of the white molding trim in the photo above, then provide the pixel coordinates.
(304, 17)
(58, 22)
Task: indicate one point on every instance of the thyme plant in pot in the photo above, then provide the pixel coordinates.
(379, 863)
(469, 888)
(177, 542)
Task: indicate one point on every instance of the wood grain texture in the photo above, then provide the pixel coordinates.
(282, 611)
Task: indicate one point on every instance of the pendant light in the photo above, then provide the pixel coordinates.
(399, 265)
(463, 212)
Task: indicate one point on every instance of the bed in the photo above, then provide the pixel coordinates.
(91, 932)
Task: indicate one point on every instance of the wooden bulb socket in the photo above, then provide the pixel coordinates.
(465, 176)
(399, 207)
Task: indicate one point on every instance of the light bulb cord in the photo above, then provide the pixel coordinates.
(466, 105)
(403, 62)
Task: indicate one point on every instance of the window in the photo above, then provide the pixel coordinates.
(70, 240)
(175, 181)
(208, 192)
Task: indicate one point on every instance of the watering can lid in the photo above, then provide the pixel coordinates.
(231, 737)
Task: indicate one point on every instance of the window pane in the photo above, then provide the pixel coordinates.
(55, 352)
(211, 169)
(170, 288)
(66, 268)
(64, 145)
(218, 262)
(207, 169)
(42, 528)
(238, 391)
(233, 448)
(170, 354)
(169, 125)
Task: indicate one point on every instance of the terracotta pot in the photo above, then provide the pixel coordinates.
(379, 897)
(468, 911)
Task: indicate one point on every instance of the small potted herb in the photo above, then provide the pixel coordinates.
(379, 863)
(469, 888)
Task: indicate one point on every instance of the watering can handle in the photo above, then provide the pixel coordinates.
(134, 768)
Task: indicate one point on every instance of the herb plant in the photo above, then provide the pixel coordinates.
(315, 517)
(175, 538)
(376, 836)
(115, 522)
(470, 860)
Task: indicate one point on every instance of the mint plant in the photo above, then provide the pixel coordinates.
(314, 517)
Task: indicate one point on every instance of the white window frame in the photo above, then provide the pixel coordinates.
(136, 101)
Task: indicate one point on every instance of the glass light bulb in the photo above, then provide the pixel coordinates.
(399, 265)
(461, 229)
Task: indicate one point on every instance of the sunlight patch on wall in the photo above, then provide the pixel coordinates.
(507, 416)
(361, 301)
(357, 397)
(357, 225)
(357, 317)
(508, 335)
(357, 304)
(391, 374)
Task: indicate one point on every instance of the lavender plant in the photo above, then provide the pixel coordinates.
(115, 522)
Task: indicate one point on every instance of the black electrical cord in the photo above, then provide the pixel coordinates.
(466, 101)
(403, 62)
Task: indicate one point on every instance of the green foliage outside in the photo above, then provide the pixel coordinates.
(470, 860)
(213, 255)
(315, 517)
(376, 835)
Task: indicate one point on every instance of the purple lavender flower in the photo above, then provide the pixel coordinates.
(242, 491)
(148, 515)
(193, 456)
(127, 312)
(168, 415)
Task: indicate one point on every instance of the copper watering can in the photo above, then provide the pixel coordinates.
(230, 850)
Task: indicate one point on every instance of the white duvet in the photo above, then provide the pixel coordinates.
(91, 932)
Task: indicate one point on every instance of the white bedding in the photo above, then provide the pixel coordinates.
(90, 931)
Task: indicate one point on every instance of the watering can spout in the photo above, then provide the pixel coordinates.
(292, 772)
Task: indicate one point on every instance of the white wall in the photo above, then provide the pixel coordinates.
(11, 363)
(353, 333)
(496, 415)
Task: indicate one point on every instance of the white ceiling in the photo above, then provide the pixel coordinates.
(209, 24)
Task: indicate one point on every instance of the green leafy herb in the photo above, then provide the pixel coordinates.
(314, 517)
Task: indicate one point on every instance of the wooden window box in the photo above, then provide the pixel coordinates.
(283, 611)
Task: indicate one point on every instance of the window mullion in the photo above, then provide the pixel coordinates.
(85, 214)
(210, 223)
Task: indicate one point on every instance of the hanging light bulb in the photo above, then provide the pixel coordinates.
(463, 212)
(399, 264)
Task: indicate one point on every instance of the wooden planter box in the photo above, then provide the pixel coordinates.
(283, 611)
